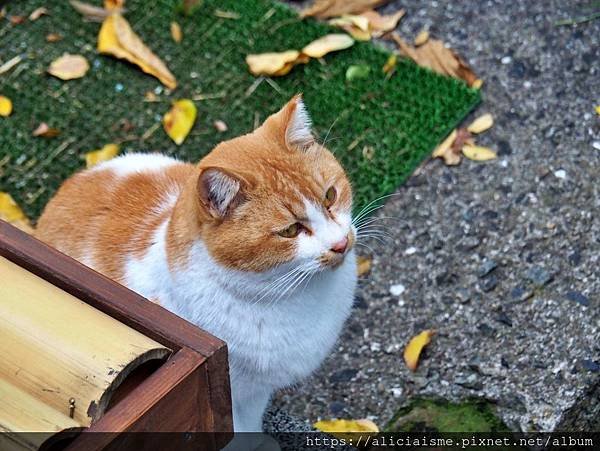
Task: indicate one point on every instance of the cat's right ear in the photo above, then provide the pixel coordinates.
(220, 192)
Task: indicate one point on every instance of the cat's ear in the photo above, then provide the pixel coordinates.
(292, 124)
(220, 192)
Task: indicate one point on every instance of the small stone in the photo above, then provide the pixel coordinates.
(577, 296)
(397, 290)
(487, 267)
(506, 60)
(470, 382)
(470, 242)
(489, 283)
(375, 347)
(411, 250)
(345, 375)
(520, 294)
(560, 174)
(463, 295)
(119, 87)
(590, 365)
(396, 392)
(487, 330)
(539, 276)
(504, 362)
(490, 215)
(575, 258)
(596, 145)
(503, 318)
(337, 408)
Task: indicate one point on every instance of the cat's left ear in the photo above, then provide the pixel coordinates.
(293, 125)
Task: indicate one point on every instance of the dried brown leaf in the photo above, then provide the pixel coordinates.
(421, 38)
(91, 12)
(481, 124)
(69, 67)
(114, 4)
(220, 126)
(45, 131)
(380, 24)
(176, 33)
(444, 150)
(53, 37)
(327, 44)
(324, 9)
(363, 264)
(37, 13)
(10, 64)
(272, 63)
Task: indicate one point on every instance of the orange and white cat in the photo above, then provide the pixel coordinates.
(253, 244)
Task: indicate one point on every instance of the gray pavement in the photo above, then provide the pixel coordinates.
(500, 258)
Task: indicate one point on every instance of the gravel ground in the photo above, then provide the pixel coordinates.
(500, 258)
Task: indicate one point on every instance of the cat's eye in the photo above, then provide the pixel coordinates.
(291, 231)
(330, 197)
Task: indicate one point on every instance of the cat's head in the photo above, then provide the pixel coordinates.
(275, 196)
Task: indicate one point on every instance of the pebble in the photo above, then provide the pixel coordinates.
(575, 258)
(336, 408)
(470, 243)
(560, 174)
(487, 267)
(345, 375)
(596, 145)
(375, 347)
(538, 276)
(506, 60)
(396, 392)
(463, 295)
(397, 290)
(489, 283)
(411, 250)
(469, 382)
(579, 297)
(520, 294)
(590, 365)
(503, 318)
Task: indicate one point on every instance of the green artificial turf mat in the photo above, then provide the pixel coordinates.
(401, 118)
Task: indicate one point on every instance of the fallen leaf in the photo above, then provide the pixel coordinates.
(445, 151)
(12, 213)
(345, 428)
(53, 37)
(363, 264)
(176, 33)
(45, 131)
(150, 96)
(91, 12)
(114, 4)
(379, 24)
(272, 63)
(6, 106)
(220, 126)
(415, 346)
(481, 124)
(324, 9)
(355, 72)
(390, 65)
(478, 153)
(37, 13)
(189, 6)
(356, 26)
(17, 20)
(421, 38)
(10, 64)
(116, 38)
(108, 152)
(598, 110)
(327, 44)
(179, 120)
(226, 14)
(477, 84)
(368, 152)
(434, 55)
(69, 67)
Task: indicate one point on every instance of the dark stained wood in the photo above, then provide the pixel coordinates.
(190, 392)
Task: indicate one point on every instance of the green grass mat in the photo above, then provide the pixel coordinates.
(402, 118)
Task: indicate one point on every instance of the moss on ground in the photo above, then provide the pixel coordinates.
(402, 118)
(438, 415)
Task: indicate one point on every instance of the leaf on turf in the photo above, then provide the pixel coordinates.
(6, 106)
(363, 264)
(10, 64)
(189, 6)
(481, 124)
(220, 126)
(478, 153)
(176, 33)
(53, 37)
(355, 25)
(324, 9)
(12, 213)
(355, 72)
(45, 131)
(434, 55)
(381, 24)
(390, 65)
(108, 152)
(327, 44)
(116, 38)
(414, 347)
(114, 4)
(37, 13)
(446, 152)
(91, 12)
(69, 67)
(179, 120)
(274, 63)
(345, 428)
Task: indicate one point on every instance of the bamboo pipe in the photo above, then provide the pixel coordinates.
(55, 347)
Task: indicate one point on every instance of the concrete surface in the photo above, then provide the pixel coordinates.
(500, 258)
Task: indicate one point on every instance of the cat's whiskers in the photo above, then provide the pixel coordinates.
(370, 207)
(273, 285)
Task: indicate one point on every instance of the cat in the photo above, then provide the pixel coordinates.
(254, 244)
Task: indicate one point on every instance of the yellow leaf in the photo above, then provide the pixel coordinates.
(116, 38)
(444, 150)
(37, 13)
(356, 26)
(422, 37)
(323, 9)
(379, 24)
(414, 348)
(179, 120)
(363, 265)
(478, 153)
(176, 33)
(12, 213)
(598, 109)
(114, 4)
(328, 43)
(107, 152)
(69, 67)
(481, 124)
(390, 64)
(477, 84)
(272, 63)
(6, 106)
(45, 131)
(345, 428)
(91, 12)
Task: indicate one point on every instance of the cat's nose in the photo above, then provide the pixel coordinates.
(340, 246)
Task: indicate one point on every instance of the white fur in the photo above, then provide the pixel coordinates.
(275, 338)
(298, 133)
(221, 189)
(136, 162)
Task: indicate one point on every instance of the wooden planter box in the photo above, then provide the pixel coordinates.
(189, 392)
